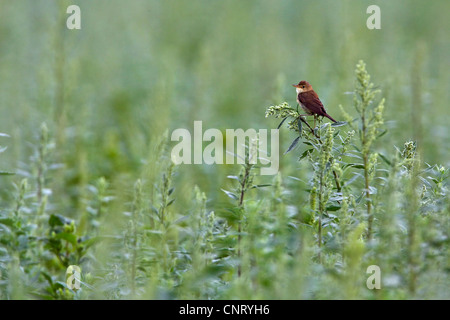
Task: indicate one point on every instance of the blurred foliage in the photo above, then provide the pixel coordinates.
(86, 115)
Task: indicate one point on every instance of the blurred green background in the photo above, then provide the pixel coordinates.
(140, 69)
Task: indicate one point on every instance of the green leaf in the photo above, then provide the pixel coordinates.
(384, 158)
(336, 133)
(281, 123)
(348, 154)
(305, 153)
(90, 241)
(355, 165)
(230, 194)
(69, 237)
(7, 222)
(261, 186)
(299, 125)
(48, 278)
(293, 144)
(358, 200)
(382, 133)
(339, 124)
(5, 173)
(425, 181)
(349, 181)
(58, 220)
(333, 208)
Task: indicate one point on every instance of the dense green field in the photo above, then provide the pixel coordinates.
(86, 179)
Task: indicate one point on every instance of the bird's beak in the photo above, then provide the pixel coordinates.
(296, 85)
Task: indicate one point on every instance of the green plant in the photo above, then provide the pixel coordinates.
(368, 130)
(244, 184)
(96, 170)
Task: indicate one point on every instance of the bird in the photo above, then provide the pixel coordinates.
(308, 99)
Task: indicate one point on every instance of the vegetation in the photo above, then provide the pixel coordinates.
(87, 179)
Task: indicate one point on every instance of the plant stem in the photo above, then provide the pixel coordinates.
(338, 185)
(368, 201)
(366, 174)
(319, 229)
(241, 202)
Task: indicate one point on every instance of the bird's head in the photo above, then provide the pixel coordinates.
(302, 86)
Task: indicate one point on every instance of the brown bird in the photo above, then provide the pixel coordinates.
(308, 99)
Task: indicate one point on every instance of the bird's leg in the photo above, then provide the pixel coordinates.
(315, 116)
(305, 122)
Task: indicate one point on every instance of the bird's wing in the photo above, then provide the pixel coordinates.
(312, 102)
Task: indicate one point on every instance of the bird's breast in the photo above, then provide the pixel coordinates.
(305, 108)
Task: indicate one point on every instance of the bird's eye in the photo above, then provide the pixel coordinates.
(303, 87)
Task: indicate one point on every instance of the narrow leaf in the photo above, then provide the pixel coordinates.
(339, 124)
(355, 165)
(385, 159)
(5, 173)
(352, 179)
(333, 207)
(69, 237)
(261, 186)
(326, 124)
(293, 144)
(281, 123)
(348, 154)
(58, 220)
(7, 222)
(305, 153)
(230, 194)
(382, 133)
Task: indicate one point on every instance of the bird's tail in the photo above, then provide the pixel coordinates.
(329, 117)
